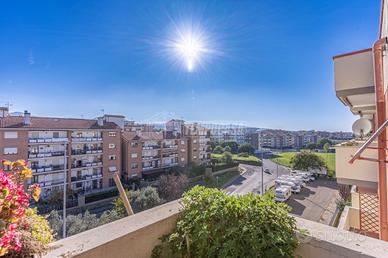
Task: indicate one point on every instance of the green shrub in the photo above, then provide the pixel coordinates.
(306, 160)
(195, 170)
(214, 224)
(243, 154)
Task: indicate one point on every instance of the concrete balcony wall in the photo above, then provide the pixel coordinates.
(136, 236)
(361, 172)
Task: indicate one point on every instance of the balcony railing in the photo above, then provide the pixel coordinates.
(86, 151)
(47, 140)
(85, 177)
(150, 157)
(43, 169)
(46, 184)
(86, 139)
(89, 164)
(151, 147)
(45, 154)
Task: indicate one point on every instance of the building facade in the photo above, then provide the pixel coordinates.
(88, 152)
(361, 80)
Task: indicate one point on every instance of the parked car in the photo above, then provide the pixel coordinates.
(282, 193)
(294, 179)
(267, 171)
(295, 188)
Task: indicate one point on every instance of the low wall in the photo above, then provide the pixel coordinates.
(135, 236)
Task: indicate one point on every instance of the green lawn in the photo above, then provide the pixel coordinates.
(284, 159)
(236, 157)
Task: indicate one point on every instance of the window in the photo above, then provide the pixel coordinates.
(111, 182)
(112, 134)
(134, 144)
(55, 134)
(182, 142)
(134, 166)
(112, 157)
(112, 145)
(10, 135)
(112, 169)
(182, 159)
(194, 141)
(134, 155)
(194, 157)
(12, 150)
(183, 150)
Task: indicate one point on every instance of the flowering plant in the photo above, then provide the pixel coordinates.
(14, 201)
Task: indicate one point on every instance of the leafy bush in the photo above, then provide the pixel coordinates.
(247, 148)
(195, 170)
(14, 202)
(142, 199)
(34, 233)
(218, 149)
(243, 154)
(227, 157)
(78, 223)
(227, 149)
(214, 224)
(306, 160)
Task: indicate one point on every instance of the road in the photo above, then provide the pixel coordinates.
(315, 202)
(250, 181)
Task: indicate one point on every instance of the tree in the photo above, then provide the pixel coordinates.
(227, 157)
(227, 149)
(171, 187)
(247, 148)
(232, 144)
(323, 141)
(213, 145)
(326, 147)
(218, 150)
(311, 146)
(307, 160)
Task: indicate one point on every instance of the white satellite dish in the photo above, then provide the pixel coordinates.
(362, 127)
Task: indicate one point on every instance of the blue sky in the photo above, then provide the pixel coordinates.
(270, 64)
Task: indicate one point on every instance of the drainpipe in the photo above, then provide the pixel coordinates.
(378, 49)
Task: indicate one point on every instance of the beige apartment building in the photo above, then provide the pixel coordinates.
(361, 82)
(87, 151)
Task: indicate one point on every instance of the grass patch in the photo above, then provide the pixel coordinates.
(284, 158)
(222, 179)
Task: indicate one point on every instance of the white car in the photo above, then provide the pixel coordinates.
(282, 193)
(294, 179)
(295, 188)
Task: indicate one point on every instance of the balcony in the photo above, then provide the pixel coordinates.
(151, 147)
(86, 151)
(87, 165)
(361, 173)
(47, 140)
(45, 169)
(41, 155)
(150, 157)
(85, 177)
(86, 139)
(47, 184)
(136, 236)
(354, 81)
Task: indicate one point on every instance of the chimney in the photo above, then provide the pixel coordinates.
(27, 117)
(100, 121)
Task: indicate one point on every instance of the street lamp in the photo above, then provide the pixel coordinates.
(64, 190)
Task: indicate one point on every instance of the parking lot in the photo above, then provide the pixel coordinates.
(316, 201)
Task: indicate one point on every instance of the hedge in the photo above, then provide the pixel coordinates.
(101, 196)
(221, 166)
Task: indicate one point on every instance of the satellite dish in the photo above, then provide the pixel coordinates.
(362, 127)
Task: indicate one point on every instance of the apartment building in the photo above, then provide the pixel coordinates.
(361, 80)
(198, 143)
(86, 151)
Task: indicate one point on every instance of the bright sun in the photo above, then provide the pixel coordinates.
(189, 48)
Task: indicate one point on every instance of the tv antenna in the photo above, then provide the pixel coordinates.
(362, 127)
